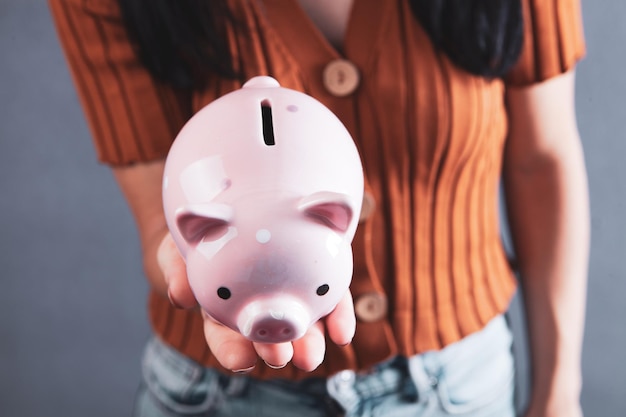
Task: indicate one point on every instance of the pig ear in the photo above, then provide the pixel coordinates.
(331, 209)
(199, 222)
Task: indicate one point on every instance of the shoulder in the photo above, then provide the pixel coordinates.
(553, 40)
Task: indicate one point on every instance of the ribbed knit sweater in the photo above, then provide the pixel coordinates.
(431, 138)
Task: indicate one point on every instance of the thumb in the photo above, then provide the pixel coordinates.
(174, 271)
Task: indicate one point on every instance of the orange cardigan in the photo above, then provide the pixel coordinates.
(429, 264)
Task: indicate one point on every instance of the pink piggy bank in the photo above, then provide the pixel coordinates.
(262, 192)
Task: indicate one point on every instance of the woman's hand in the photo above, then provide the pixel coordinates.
(167, 274)
(555, 409)
(237, 353)
(554, 406)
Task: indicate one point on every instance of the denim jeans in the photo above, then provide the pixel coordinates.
(470, 378)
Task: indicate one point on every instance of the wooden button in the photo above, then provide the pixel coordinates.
(371, 307)
(367, 208)
(341, 77)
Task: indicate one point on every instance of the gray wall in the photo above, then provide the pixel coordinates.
(602, 113)
(72, 295)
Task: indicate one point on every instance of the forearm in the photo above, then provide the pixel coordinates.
(548, 211)
(151, 267)
(141, 186)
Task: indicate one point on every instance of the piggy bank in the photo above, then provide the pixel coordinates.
(262, 191)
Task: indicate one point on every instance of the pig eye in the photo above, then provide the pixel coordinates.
(322, 289)
(223, 293)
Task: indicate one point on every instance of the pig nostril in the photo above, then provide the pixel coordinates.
(262, 332)
(223, 293)
(322, 289)
(286, 331)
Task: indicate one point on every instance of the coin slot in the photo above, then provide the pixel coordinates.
(268, 123)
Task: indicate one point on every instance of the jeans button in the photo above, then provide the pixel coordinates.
(346, 377)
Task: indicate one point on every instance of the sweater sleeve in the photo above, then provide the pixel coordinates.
(553, 41)
(132, 117)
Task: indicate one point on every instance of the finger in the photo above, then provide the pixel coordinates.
(231, 349)
(341, 322)
(309, 350)
(275, 355)
(175, 274)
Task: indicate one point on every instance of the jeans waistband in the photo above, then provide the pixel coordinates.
(410, 376)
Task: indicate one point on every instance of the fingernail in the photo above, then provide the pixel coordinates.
(243, 371)
(345, 344)
(173, 301)
(276, 367)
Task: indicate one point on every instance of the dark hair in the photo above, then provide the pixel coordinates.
(181, 41)
(483, 37)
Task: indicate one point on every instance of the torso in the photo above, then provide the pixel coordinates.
(430, 136)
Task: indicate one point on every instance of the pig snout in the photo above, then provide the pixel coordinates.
(274, 320)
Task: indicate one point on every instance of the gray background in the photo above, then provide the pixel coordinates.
(72, 295)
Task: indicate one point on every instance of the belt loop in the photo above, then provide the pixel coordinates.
(236, 385)
(340, 387)
(422, 380)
